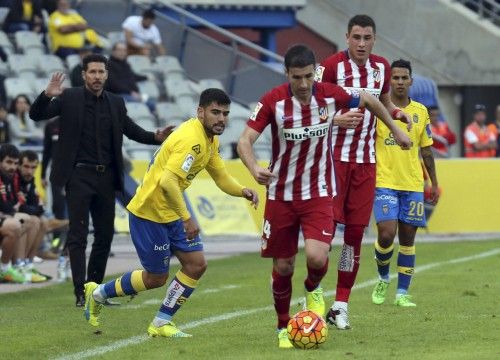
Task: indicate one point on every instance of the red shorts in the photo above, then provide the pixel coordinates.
(284, 219)
(355, 185)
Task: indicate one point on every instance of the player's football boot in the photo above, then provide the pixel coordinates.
(315, 301)
(92, 308)
(379, 292)
(404, 301)
(339, 318)
(167, 330)
(12, 275)
(283, 341)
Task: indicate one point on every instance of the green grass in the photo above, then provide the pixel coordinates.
(457, 316)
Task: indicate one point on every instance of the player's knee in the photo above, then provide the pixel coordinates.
(153, 281)
(196, 269)
(11, 227)
(386, 237)
(284, 267)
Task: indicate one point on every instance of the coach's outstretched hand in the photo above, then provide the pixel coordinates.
(55, 86)
(251, 195)
(162, 134)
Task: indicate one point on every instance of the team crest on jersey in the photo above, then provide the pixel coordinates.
(323, 113)
(196, 148)
(385, 209)
(415, 118)
(318, 74)
(255, 112)
(376, 75)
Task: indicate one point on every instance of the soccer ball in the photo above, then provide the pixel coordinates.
(307, 330)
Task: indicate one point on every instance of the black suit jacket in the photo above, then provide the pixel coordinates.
(70, 108)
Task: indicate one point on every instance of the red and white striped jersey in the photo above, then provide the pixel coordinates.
(301, 138)
(356, 145)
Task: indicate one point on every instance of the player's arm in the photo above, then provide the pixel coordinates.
(376, 107)
(129, 39)
(245, 151)
(169, 182)
(230, 186)
(428, 159)
(396, 113)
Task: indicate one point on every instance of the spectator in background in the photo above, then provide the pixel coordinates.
(24, 15)
(495, 128)
(22, 130)
(49, 5)
(4, 126)
(141, 35)
(442, 136)
(68, 31)
(76, 77)
(121, 78)
(479, 140)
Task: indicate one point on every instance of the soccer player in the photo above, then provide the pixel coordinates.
(300, 179)
(399, 194)
(160, 224)
(355, 69)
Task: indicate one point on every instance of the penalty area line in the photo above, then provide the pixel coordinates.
(100, 350)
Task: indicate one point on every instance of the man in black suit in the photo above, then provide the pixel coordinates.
(88, 161)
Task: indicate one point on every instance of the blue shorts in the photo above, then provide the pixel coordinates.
(405, 206)
(155, 242)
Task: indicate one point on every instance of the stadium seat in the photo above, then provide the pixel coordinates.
(5, 43)
(141, 65)
(72, 60)
(115, 36)
(226, 151)
(49, 64)
(149, 88)
(20, 64)
(15, 86)
(140, 153)
(3, 13)
(4, 68)
(239, 112)
(28, 40)
(140, 113)
(210, 83)
(169, 66)
(170, 113)
(176, 88)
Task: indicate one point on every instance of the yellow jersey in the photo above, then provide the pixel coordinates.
(401, 169)
(186, 152)
(71, 40)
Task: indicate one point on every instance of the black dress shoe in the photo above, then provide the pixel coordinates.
(80, 300)
(108, 302)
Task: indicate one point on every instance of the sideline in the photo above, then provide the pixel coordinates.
(100, 350)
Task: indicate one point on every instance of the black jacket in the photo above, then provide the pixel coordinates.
(30, 201)
(70, 107)
(121, 77)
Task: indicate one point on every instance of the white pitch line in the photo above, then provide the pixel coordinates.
(100, 350)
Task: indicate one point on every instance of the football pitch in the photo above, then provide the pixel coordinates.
(230, 315)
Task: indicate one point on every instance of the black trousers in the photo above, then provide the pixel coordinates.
(94, 192)
(58, 206)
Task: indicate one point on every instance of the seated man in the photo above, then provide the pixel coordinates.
(10, 232)
(141, 35)
(10, 203)
(121, 78)
(68, 31)
(30, 201)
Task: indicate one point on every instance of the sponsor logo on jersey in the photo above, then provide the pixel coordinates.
(255, 112)
(196, 148)
(390, 140)
(306, 132)
(390, 198)
(188, 162)
(318, 74)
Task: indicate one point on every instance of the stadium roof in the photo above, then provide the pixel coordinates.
(239, 4)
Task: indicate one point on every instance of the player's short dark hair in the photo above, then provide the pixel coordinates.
(28, 154)
(363, 21)
(213, 95)
(8, 150)
(401, 63)
(149, 14)
(94, 58)
(299, 56)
